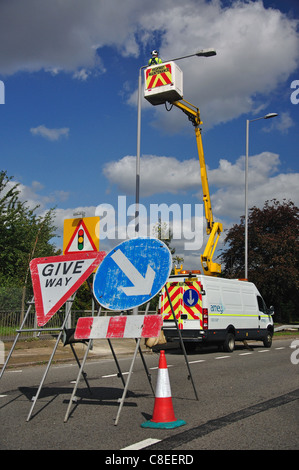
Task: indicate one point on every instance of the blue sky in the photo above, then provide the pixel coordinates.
(69, 122)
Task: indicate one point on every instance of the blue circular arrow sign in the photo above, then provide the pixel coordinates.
(132, 273)
(190, 297)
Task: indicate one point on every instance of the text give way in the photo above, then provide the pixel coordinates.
(56, 278)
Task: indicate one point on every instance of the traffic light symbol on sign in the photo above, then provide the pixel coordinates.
(80, 239)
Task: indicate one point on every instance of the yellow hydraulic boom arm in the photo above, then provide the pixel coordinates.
(214, 229)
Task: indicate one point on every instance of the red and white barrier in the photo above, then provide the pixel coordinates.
(133, 326)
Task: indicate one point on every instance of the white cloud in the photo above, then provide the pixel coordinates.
(226, 187)
(33, 197)
(82, 74)
(264, 183)
(62, 214)
(257, 49)
(50, 134)
(174, 176)
(283, 124)
(55, 35)
(229, 174)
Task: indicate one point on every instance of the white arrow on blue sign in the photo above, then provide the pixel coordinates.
(132, 273)
(190, 297)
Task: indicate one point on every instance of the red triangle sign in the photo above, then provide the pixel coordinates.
(76, 246)
(56, 278)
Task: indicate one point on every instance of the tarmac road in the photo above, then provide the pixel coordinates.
(38, 351)
(247, 400)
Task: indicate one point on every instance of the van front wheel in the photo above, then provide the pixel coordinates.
(268, 340)
(229, 343)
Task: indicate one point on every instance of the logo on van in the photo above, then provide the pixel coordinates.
(216, 308)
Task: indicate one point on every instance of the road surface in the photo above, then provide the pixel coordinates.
(247, 400)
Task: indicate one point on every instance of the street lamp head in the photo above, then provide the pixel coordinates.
(206, 53)
(270, 115)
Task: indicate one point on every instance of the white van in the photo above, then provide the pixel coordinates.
(213, 310)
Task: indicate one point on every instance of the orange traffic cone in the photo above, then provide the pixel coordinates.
(163, 415)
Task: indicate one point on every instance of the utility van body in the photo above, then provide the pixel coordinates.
(214, 310)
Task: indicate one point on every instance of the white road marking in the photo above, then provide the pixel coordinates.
(63, 366)
(113, 375)
(141, 444)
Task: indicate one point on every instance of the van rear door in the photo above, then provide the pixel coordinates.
(186, 298)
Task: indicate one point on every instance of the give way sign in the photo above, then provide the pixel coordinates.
(56, 278)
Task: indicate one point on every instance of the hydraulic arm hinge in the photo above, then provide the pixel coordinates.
(213, 229)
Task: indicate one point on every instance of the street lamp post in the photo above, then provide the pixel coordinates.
(267, 116)
(200, 53)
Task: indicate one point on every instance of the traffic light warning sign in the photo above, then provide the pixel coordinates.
(81, 235)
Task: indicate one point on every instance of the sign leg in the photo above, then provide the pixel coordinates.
(9, 354)
(127, 383)
(116, 362)
(149, 377)
(44, 377)
(84, 375)
(16, 338)
(51, 358)
(181, 341)
(77, 381)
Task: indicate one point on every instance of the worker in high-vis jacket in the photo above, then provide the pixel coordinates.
(155, 58)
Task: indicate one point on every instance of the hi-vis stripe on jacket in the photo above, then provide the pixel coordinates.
(176, 293)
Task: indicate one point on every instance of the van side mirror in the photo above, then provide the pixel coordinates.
(271, 310)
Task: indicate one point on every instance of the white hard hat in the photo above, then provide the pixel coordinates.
(154, 52)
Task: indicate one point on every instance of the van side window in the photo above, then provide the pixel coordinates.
(261, 304)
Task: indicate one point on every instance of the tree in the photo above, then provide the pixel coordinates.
(23, 236)
(273, 255)
(162, 231)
